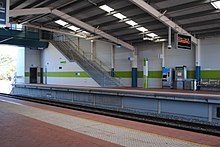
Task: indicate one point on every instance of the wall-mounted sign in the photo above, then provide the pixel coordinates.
(63, 62)
(184, 42)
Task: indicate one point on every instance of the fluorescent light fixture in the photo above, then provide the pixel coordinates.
(119, 15)
(152, 35)
(148, 38)
(73, 28)
(142, 29)
(85, 32)
(216, 4)
(131, 22)
(61, 22)
(160, 40)
(106, 8)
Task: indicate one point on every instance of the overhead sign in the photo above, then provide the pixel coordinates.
(184, 42)
(4, 12)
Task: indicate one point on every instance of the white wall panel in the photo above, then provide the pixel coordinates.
(210, 53)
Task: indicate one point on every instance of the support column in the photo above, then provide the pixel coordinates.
(163, 54)
(134, 69)
(92, 56)
(145, 72)
(113, 60)
(7, 13)
(78, 43)
(45, 74)
(198, 62)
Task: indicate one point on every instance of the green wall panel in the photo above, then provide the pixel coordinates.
(64, 74)
(68, 74)
(191, 74)
(205, 74)
(210, 74)
(127, 74)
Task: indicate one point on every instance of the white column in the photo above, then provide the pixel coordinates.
(92, 56)
(7, 13)
(198, 63)
(112, 56)
(163, 54)
(198, 53)
(134, 62)
(78, 44)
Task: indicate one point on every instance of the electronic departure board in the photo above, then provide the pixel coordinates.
(184, 42)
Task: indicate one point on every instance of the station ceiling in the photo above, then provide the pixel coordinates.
(198, 17)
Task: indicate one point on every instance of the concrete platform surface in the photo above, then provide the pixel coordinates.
(31, 124)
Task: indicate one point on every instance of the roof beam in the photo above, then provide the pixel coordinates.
(21, 12)
(58, 31)
(202, 23)
(17, 4)
(196, 14)
(165, 20)
(85, 26)
(188, 5)
(34, 4)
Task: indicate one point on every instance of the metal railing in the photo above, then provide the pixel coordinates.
(69, 48)
(99, 74)
(88, 56)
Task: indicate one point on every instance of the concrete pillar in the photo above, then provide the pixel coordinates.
(198, 62)
(112, 60)
(134, 69)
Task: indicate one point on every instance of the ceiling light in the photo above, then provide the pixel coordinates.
(85, 32)
(142, 29)
(152, 35)
(120, 16)
(148, 38)
(160, 40)
(216, 4)
(73, 28)
(131, 22)
(61, 22)
(106, 8)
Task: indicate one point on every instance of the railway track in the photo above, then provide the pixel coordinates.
(174, 123)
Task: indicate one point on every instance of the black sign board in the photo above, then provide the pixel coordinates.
(184, 41)
(2, 12)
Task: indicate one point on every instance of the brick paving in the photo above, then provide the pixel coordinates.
(164, 131)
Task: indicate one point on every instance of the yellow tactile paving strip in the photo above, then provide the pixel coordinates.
(115, 134)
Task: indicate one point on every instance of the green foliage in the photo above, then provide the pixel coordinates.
(7, 67)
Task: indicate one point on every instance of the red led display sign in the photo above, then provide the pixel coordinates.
(184, 41)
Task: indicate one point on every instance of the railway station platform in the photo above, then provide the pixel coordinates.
(32, 124)
(201, 107)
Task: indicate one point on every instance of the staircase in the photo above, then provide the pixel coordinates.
(94, 67)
